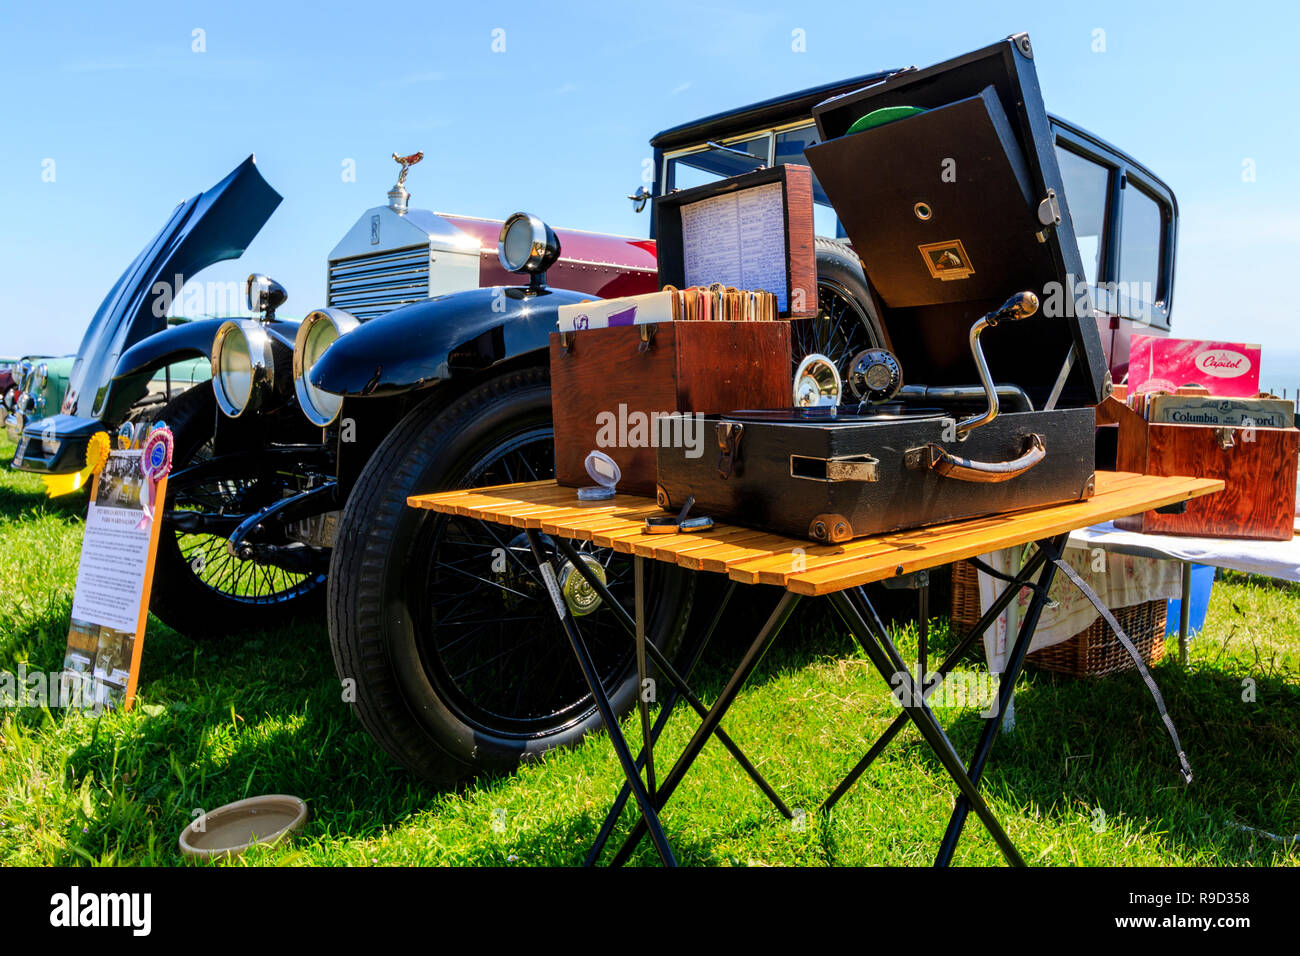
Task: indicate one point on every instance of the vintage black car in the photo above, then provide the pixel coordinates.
(136, 367)
(427, 370)
(458, 662)
(129, 338)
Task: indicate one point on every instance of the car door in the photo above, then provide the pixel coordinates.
(1125, 219)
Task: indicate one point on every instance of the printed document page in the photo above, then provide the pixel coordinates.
(737, 239)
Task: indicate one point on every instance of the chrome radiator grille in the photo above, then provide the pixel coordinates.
(369, 286)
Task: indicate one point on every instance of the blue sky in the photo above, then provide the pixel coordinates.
(558, 123)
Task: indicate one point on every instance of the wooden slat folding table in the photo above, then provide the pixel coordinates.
(551, 517)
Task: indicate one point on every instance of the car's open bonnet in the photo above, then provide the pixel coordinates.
(214, 225)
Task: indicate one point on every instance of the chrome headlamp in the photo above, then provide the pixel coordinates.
(526, 244)
(243, 368)
(317, 333)
(264, 295)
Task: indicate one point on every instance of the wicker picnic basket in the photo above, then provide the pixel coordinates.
(1093, 652)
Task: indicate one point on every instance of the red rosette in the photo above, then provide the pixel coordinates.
(155, 464)
(156, 458)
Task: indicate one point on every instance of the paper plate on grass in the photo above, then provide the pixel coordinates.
(230, 830)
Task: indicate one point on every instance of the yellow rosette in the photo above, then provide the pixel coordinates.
(96, 455)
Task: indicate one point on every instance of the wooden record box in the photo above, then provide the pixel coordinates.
(609, 386)
(1257, 464)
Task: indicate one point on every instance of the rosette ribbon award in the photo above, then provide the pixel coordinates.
(155, 464)
(97, 450)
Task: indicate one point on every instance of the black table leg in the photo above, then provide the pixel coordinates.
(642, 701)
(923, 631)
(753, 655)
(615, 811)
(649, 813)
(874, 640)
(1052, 549)
(661, 661)
(954, 657)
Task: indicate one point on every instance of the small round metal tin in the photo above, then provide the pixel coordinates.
(606, 474)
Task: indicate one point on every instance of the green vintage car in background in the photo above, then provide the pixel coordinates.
(40, 382)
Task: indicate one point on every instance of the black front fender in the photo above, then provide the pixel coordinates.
(175, 343)
(172, 344)
(434, 340)
(185, 341)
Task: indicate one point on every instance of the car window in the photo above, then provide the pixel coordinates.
(710, 165)
(1141, 227)
(790, 146)
(1085, 183)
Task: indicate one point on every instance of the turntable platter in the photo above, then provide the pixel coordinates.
(839, 415)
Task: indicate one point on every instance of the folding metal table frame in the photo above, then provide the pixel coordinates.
(551, 515)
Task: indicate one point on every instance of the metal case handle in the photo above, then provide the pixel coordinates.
(936, 458)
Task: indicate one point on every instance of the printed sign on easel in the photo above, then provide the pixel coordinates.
(111, 603)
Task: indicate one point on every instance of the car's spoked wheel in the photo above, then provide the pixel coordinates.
(844, 324)
(839, 331)
(199, 588)
(490, 638)
(212, 564)
(444, 625)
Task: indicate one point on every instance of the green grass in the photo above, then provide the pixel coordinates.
(1087, 778)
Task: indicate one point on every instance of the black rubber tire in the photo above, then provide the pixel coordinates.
(840, 277)
(836, 263)
(372, 611)
(179, 598)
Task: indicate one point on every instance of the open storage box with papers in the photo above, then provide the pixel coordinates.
(617, 366)
(1258, 464)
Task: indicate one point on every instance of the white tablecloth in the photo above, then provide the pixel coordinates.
(1274, 559)
(1134, 568)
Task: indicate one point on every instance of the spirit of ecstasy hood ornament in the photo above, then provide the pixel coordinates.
(406, 163)
(398, 196)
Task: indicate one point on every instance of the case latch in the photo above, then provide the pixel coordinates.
(647, 337)
(729, 435)
(1049, 210)
(852, 468)
(566, 342)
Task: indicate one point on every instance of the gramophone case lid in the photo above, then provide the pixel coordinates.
(950, 205)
